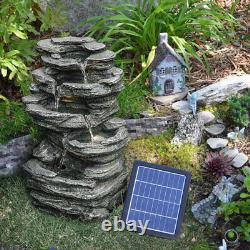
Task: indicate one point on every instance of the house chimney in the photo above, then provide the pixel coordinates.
(163, 38)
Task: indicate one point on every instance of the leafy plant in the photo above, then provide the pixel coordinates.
(240, 208)
(244, 229)
(14, 121)
(239, 110)
(231, 235)
(133, 29)
(18, 24)
(132, 100)
(218, 164)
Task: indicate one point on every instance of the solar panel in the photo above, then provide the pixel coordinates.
(158, 194)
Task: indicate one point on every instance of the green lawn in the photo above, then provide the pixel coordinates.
(25, 226)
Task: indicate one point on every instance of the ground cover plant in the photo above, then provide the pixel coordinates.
(132, 100)
(14, 121)
(239, 107)
(158, 149)
(189, 24)
(238, 211)
(20, 22)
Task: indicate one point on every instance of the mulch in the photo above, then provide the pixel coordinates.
(227, 59)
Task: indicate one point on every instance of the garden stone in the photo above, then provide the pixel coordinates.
(215, 129)
(78, 167)
(167, 100)
(223, 89)
(230, 153)
(14, 154)
(189, 130)
(227, 188)
(182, 107)
(206, 117)
(205, 211)
(240, 160)
(216, 143)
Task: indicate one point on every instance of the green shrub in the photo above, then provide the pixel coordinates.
(133, 29)
(158, 149)
(14, 121)
(18, 21)
(239, 108)
(132, 100)
(240, 208)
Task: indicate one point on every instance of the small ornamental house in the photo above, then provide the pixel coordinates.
(167, 70)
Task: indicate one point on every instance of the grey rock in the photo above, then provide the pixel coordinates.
(85, 190)
(69, 40)
(94, 46)
(240, 160)
(182, 107)
(35, 99)
(14, 154)
(88, 90)
(227, 188)
(33, 89)
(114, 124)
(189, 130)
(99, 145)
(49, 47)
(56, 56)
(205, 211)
(215, 129)
(231, 153)
(78, 168)
(206, 117)
(216, 143)
(166, 100)
(223, 89)
(61, 64)
(47, 152)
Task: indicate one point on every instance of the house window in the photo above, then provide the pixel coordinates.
(162, 71)
(174, 70)
(168, 70)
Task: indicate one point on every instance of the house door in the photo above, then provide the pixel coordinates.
(169, 86)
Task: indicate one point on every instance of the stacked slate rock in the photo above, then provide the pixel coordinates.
(78, 167)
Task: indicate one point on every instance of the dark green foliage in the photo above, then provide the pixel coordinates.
(244, 229)
(239, 108)
(133, 29)
(132, 100)
(14, 121)
(240, 208)
(19, 21)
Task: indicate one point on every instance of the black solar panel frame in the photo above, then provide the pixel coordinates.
(183, 201)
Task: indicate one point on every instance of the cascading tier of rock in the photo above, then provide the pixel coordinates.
(78, 168)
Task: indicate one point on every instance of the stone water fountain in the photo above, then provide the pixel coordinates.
(77, 169)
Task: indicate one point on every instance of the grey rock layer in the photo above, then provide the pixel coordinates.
(14, 154)
(78, 167)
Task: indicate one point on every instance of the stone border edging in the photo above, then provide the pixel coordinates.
(150, 125)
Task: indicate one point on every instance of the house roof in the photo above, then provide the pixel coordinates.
(160, 53)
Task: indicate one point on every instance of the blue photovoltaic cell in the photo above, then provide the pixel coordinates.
(157, 197)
